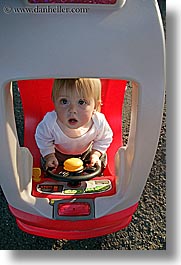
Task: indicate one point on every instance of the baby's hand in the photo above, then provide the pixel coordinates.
(94, 159)
(51, 161)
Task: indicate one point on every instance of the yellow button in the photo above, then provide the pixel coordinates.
(36, 179)
(73, 164)
(36, 172)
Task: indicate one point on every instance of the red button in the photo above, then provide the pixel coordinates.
(74, 209)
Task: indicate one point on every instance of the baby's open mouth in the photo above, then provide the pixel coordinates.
(72, 121)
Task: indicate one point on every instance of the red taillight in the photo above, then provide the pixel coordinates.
(100, 2)
(74, 209)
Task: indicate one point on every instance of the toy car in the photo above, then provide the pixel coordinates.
(71, 196)
(116, 41)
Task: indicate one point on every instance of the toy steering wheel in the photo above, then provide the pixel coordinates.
(73, 171)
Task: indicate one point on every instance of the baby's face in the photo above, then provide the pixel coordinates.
(73, 111)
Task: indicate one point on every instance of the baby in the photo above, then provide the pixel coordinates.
(75, 128)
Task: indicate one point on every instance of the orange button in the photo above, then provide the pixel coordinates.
(36, 172)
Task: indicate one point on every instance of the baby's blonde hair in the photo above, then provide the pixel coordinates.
(85, 87)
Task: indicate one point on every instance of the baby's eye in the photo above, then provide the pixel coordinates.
(82, 102)
(63, 101)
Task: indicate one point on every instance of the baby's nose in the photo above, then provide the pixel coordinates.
(72, 108)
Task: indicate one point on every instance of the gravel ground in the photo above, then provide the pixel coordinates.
(147, 231)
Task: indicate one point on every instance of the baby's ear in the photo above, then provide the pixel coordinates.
(98, 105)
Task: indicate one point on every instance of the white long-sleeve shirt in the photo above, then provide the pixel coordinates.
(50, 136)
